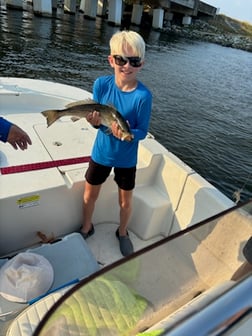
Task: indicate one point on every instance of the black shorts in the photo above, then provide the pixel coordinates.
(247, 250)
(97, 174)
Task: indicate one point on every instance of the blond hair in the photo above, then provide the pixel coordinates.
(127, 38)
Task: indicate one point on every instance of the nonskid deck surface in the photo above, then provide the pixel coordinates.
(105, 246)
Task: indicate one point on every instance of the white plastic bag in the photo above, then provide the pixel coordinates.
(25, 276)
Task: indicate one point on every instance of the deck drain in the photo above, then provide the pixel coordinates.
(57, 143)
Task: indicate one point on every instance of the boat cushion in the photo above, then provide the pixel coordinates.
(104, 306)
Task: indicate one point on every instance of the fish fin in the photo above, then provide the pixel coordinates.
(81, 102)
(75, 118)
(128, 137)
(108, 131)
(112, 107)
(51, 116)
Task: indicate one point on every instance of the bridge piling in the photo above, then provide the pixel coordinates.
(182, 10)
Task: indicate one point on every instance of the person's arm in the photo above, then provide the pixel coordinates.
(5, 126)
(144, 113)
(14, 135)
(94, 119)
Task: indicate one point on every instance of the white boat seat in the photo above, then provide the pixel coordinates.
(156, 212)
(26, 322)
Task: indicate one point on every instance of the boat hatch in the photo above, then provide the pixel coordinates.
(67, 139)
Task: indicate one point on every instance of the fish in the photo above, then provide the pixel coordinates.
(82, 108)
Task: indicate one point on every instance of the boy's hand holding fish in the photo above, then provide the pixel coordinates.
(95, 120)
(116, 131)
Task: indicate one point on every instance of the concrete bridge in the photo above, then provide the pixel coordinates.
(167, 10)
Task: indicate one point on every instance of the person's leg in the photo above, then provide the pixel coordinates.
(95, 175)
(125, 203)
(125, 179)
(90, 196)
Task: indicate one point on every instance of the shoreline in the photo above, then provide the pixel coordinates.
(203, 31)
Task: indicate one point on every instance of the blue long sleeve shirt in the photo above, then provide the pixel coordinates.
(5, 126)
(135, 106)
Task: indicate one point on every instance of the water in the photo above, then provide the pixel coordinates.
(202, 92)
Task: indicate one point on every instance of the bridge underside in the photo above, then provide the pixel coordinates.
(176, 11)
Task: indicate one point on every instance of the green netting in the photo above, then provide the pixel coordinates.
(106, 306)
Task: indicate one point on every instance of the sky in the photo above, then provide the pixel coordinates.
(237, 9)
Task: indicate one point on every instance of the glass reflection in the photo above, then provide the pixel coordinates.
(159, 285)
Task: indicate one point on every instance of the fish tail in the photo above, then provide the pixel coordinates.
(51, 116)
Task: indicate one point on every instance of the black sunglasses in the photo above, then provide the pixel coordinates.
(133, 61)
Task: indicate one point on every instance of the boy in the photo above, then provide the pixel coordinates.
(134, 101)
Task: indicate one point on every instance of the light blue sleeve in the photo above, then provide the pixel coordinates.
(143, 118)
(97, 98)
